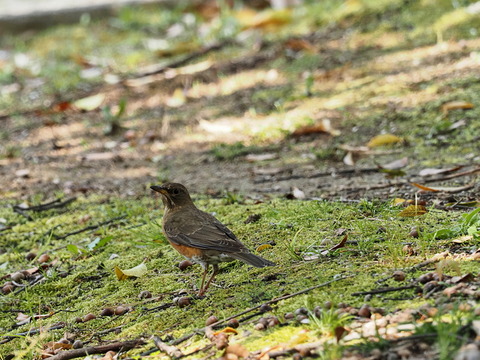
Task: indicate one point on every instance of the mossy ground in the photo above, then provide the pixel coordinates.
(371, 67)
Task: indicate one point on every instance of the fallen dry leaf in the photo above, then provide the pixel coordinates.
(263, 247)
(455, 105)
(323, 126)
(395, 165)
(136, 271)
(444, 188)
(90, 103)
(413, 210)
(299, 45)
(431, 172)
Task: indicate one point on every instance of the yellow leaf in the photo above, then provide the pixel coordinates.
(263, 247)
(268, 19)
(177, 99)
(136, 271)
(384, 139)
(90, 103)
(398, 201)
(454, 105)
(228, 329)
(413, 210)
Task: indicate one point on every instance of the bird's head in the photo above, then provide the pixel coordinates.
(173, 195)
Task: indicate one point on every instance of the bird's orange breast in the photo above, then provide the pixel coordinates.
(187, 251)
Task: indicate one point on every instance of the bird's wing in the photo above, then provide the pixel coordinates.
(203, 232)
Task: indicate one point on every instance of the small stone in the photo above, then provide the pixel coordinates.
(63, 341)
(30, 256)
(398, 275)
(265, 308)
(342, 305)
(353, 311)
(289, 316)
(107, 312)
(328, 305)
(77, 344)
(317, 311)
(233, 323)
(17, 276)
(364, 311)
(211, 320)
(89, 317)
(301, 317)
(185, 264)
(121, 310)
(78, 320)
(184, 301)
(145, 294)
(43, 258)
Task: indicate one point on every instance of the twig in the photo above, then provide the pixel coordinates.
(303, 349)
(91, 227)
(160, 307)
(8, 338)
(273, 301)
(381, 291)
(453, 176)
(317, 174)
(100, 349)
(171, 351)
(47, 206)
(180, 62)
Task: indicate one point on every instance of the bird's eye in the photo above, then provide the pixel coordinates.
(176, 191)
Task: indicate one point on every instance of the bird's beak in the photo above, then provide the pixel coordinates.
(159, 189)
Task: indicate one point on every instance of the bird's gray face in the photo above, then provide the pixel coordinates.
(173, 194)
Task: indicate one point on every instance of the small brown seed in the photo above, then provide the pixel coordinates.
(233, 323)
(301, 317)
(289, 316)
(211, 320)
(145, 294)
(89, 317)
(77, 344)
(78, 320)
(43, 258)
(342, 305)
(353, 311)
(301, 311)
(121, 310)
(107, 312)
(30, 256)
(263, 321)
(328, 305)
(185, 264)
(259, 326)
(398, 275)
(184, 301)
(425, 278)
(7, 289)
(265, 308)
(273, 321)
(317, 311)
(63, 341)
(17, 276)
(364, 311)
(414, 232)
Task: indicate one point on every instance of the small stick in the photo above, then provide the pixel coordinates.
(381, 291)
(8, 338)
(170, 350)
(47, 206)
(100, 349)
(91, 227)
(273, 301)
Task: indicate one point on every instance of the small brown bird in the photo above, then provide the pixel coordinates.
(198, 235)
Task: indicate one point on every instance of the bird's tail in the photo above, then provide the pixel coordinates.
(252, 259)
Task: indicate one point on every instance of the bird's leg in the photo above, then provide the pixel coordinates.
(202, 291)
(215, 272)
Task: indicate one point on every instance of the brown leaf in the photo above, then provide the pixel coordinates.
(299, 45)
(340, 244)
(445, 188)
(340, 332)
(413, 210)
(238, 350)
